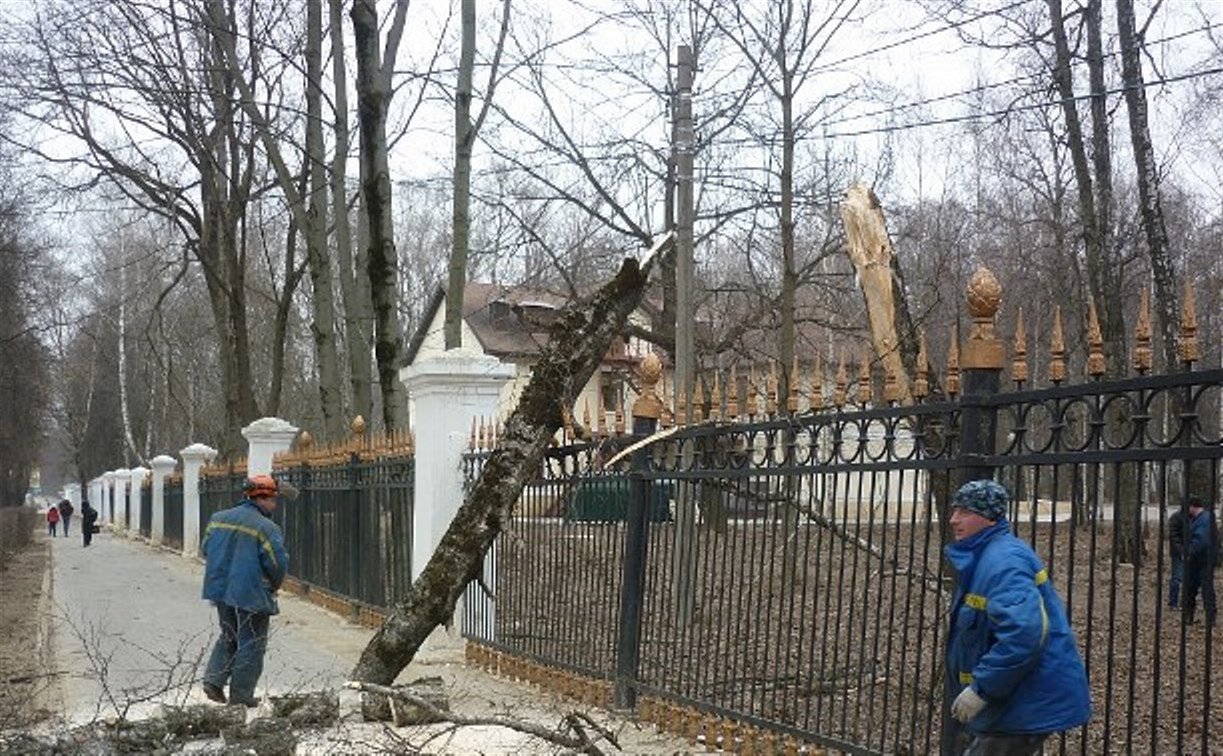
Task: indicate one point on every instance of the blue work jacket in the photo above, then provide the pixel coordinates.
(1010, 639)
(245, 559)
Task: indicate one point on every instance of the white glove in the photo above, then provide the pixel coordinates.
(967, 705)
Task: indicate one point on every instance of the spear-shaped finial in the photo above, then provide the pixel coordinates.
(1142, 335)
(921, 384)
(473, 439)
(865, 392)
(840, 394)
(586, 431)
(816, 399)
(953, 362)
(1189, 353)
(1057, 349)
(792, 389)
(698, 400)
(752, 404)
(1095, 341)
(715, 398)
(1019, 364)
(770, 405)
(732, 394)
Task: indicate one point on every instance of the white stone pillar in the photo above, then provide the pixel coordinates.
(448, 390)
(108, 496)
(122, 518)
(267, 436)
(135, 493)
(194, 457)
(162, 466)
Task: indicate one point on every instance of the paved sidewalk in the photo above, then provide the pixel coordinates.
(131, 632)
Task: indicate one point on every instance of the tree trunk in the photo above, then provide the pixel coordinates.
(464, 137)
(322, 327)
(1148, 184)
(354, 284)
(578, 342)
(373, 98)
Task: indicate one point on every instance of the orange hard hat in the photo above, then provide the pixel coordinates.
(260, 487)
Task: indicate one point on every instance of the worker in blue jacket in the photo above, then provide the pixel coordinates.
(245, 565)
(1014, 673)
(1201, 557)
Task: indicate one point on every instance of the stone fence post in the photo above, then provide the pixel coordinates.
(122, 510)
(194, 458)
(135, 492)
(449, 390)
(163, 465)
(267, 436)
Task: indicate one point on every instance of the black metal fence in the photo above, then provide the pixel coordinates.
(146, 510)
(172, 527)
(350, 529)
(793, 580)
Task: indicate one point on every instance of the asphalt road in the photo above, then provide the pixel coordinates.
(130, 630)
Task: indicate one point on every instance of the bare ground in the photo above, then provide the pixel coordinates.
(25, 684)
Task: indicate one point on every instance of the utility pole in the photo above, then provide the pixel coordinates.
(685, 551)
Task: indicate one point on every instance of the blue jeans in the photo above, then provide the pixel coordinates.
(1178, 574)
(237, 656)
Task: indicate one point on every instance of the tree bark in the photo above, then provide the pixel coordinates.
(464, 137)
(578, 342)
(1150, 205)
(373, 99)
(354, 284)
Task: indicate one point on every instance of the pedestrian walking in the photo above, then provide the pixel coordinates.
(89, 516)
(52, 519)
(1014, 674)
(1201, 558)
(245, 565)
(65, 514)
(1176, 545)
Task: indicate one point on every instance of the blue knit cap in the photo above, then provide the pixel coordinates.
(985, 497)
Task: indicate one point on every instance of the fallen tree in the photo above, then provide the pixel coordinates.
(577, 344)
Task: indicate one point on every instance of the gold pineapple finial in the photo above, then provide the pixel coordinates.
(649, 372)
(983, 348)
(1095, 341)
(865, 392)
(792, 389)
(1019, 364)
(1057, 349)
(953, 362)
(816, 399)
(1188, 346)
(1142, 335)
(842, 386)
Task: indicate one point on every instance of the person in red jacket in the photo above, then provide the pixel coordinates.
(52, 519)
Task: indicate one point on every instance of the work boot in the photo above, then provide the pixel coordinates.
(214, 693)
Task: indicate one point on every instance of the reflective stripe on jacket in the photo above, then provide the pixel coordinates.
(245, 558)
(1010, 639)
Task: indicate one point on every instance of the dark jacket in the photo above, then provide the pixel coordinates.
(1010, 639)
(245, 559)
(88, 514)
(1203, 547)
(1176, 533)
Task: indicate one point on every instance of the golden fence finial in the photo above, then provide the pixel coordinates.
(681, 405)
(600, 413)
(792, 389)
(715, 398)
(1188, 346)
(752, 405)
(983, 349)
(1019, 363)
(953, 362)
(472, 440)
(1142, 335)
(865, 390)
(586, 419)
(815, 400)
(842, 386)
(619, 427)
(921, 384)
(667, 419)
(649, 372)
(770, 404)
(1095, 341)
(566, 423)
(891, 383)
(483, 433)
(698, 400)
(732, 394)
(1057, 349)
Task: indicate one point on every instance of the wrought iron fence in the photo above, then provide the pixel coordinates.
(172, 528)
(796, 582)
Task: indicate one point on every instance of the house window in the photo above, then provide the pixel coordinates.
(611, 389)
